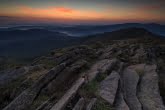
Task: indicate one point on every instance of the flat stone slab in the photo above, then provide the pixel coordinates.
(79, 105)
(60, 105)
(120, 102)
(100, 67)
(130, 80)
(108, 87)
(26, 98)
(148, 93)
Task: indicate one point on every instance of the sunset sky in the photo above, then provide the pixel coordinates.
(83, 11)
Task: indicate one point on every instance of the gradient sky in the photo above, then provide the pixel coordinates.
(84, 11)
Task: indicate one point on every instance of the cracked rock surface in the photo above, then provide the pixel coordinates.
(115, 74)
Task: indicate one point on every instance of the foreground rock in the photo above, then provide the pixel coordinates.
(91, 104)
(69, 75)
(27, 97)
(100, 67)
(108, 87)
(82, 73)
(7, 77)
(60, 105)
(120, 102)
(148, 93)
(130, 81)
(140, 55)
(79, 51)
(80, 104)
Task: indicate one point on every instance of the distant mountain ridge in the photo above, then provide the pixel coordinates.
(30, 34)
(124, 34)
(35, 42)
(32, 42)
(85, 30)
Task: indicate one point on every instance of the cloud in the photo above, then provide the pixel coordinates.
(151, 7)
(48, 9)
(60, 12)
(63, 9)
(149, 12)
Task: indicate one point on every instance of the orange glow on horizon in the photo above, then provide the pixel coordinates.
(60, 13)
(71, 14)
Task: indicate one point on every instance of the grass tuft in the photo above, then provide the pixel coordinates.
(102, 105)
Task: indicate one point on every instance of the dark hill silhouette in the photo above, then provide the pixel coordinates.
(129, 33)
(30, 34)
(83, 30)
(33, 42)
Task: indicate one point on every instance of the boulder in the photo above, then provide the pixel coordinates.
(107, 52)
(100, 67)
(148, 93)
(129, 83)
(120, 102)
(138, 67)
(108, 87)
(69, 75)
(140, 56)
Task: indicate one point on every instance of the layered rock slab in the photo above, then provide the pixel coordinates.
(130, 81)
(79, 105)
(27, 97)
(148, 93)
(60, 105)
(100, 67)
(120, 102)
(91, 104)
(108, 87)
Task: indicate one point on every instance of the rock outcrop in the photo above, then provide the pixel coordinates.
(27, 97)
(118, 74)
(80, 104)
(69, 94)
(130, 81)
(120, 102)
(148, 94)
(8, 76)
(71, 72)
(91, 104)
(108, 87)
(100, 67)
